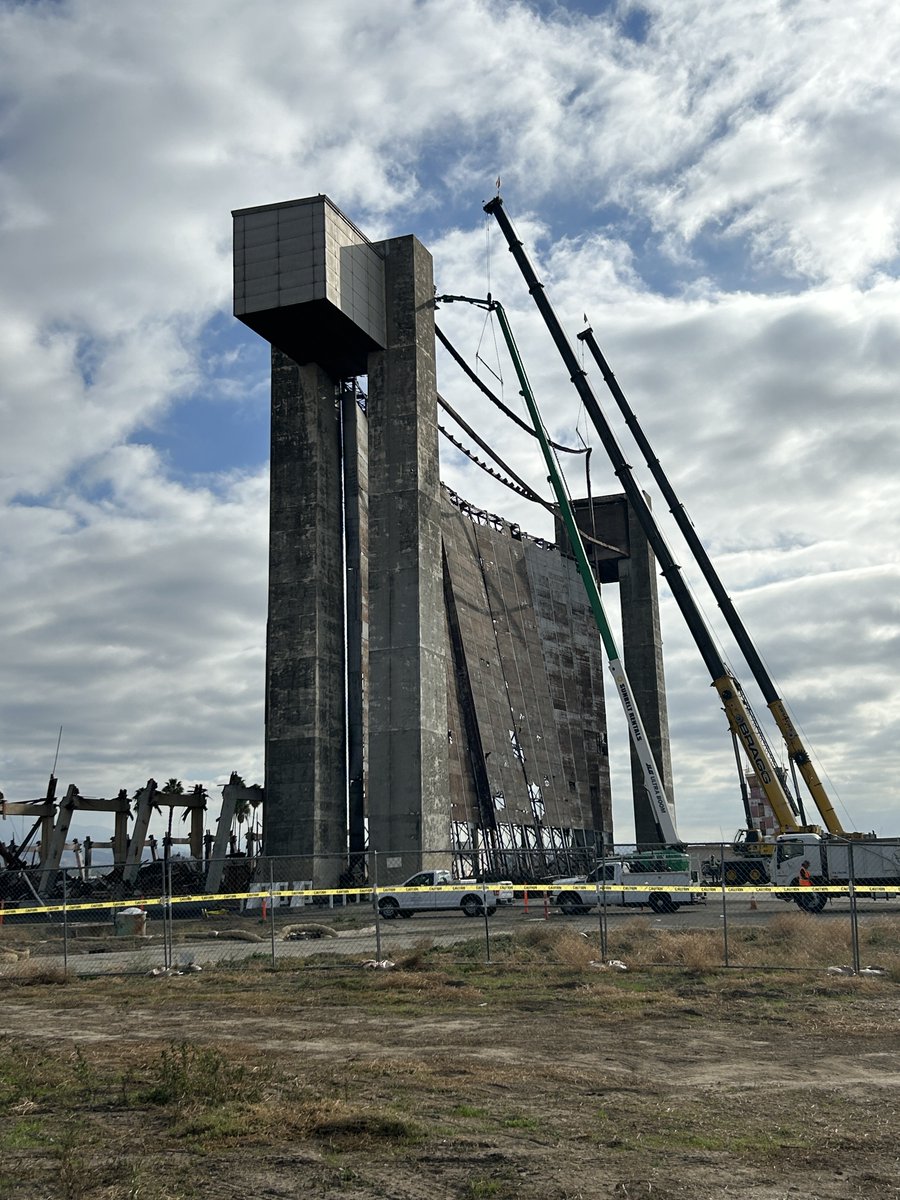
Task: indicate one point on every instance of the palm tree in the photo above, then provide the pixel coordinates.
(241, 813)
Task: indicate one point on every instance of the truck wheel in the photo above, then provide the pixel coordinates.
(472, 906)
(570, 904)
(756, 874)
(812, 903)
(660, 902)
(388, 908)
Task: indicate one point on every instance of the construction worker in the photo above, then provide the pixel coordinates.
(805, 877)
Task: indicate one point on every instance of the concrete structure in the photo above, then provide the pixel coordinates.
(335, 306)
(309, 282)
(408, 803)
(632, 565)
(305, 714)
(431, 672)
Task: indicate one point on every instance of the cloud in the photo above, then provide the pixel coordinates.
(134, 621)
(713, 185)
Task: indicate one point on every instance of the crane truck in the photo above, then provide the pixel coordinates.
(870, 866)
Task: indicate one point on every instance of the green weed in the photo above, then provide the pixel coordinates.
(469, 1110)
(188, 1074)
(26, 1133)
(500, 1187)
(353, 1129)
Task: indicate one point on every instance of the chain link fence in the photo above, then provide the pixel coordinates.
(705, 908)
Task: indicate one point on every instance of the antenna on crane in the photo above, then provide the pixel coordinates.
(51, 785)
(56, 756)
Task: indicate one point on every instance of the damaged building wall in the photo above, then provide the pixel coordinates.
(527, 716)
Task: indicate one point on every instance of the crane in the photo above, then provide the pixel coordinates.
(738, 713)
(794, 743)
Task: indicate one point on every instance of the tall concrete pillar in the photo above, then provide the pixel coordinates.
(642, 652)
(356, 538)
(620, 553)
(309, 282)
(408, 753)
(305, 806)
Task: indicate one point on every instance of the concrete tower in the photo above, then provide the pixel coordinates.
(433, 673)
(334, 306)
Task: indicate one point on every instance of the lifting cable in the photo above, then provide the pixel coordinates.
(496, 399)
(513, 482)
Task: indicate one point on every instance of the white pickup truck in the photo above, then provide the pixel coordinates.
(652, 888)
(442, 892)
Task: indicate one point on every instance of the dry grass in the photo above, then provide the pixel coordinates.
(788, 940)
(546, 943)
(451, 1076)
(31, 974)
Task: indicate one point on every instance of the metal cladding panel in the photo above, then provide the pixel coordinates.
(310, 283)
(354, 276)
(533, 670)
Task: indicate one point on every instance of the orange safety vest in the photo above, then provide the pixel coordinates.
(805, 877)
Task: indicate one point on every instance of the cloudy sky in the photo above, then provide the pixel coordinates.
(713, 184)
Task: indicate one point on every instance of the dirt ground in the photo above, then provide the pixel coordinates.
(451, 1084)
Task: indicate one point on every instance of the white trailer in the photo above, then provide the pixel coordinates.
(871, 864)
(619, 883)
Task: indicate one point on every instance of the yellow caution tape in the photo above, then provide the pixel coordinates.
(522, 890)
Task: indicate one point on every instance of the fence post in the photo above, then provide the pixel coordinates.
(378, 954)
(487, 928)
(167, 914)
(272, 907)
(854, 912)
(724, 906)
(65, 923)
(601, 908)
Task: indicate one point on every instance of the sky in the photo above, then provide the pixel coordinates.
(713, 184)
